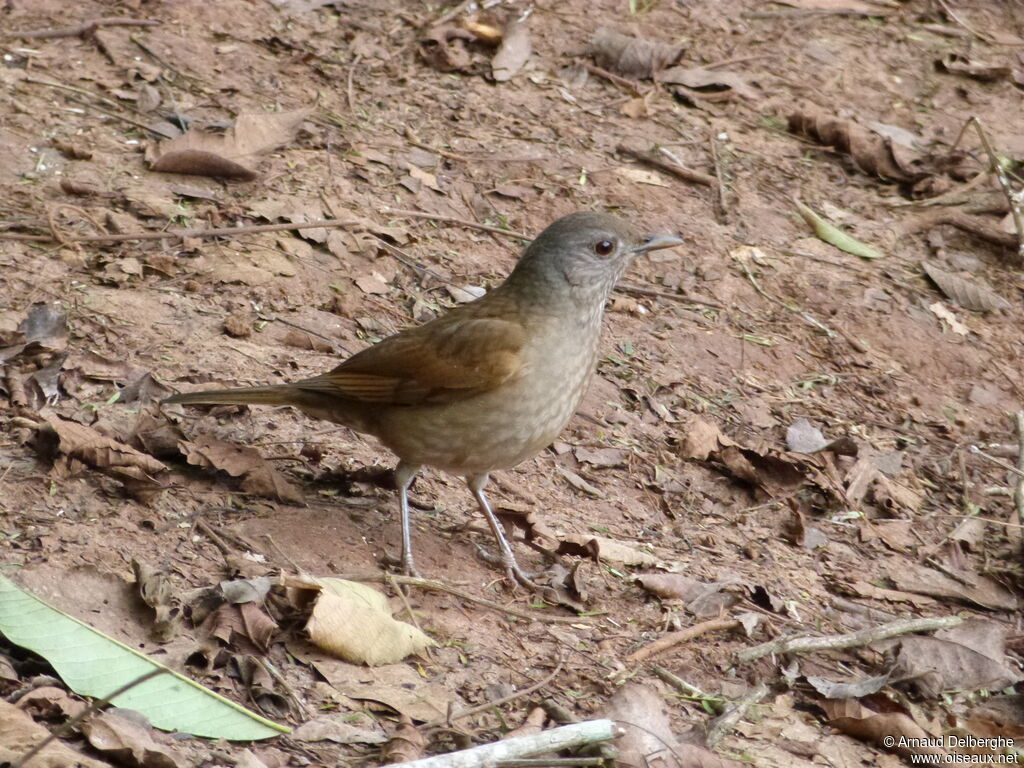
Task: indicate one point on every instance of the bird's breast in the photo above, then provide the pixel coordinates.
(508, 424)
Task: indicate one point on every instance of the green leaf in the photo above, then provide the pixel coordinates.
(831, 234)
(92, 664)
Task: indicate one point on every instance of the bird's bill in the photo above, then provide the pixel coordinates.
(657, 242)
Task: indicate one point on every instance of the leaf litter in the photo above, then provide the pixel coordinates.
(682, 453)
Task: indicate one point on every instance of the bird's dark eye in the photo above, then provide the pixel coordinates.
(604, 247)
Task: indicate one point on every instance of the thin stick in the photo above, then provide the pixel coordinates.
(463, 713)
(676, 170)
(454, 220)
(998, 462)
(437, 586)
(952, 14)
(1018, 496)
(612, 77)
(680, 297)
(682, 636)
(93, 707)
(82, 29)
(182, 233)
(851, 640)
(723, 209)
(726, 721)
(997, 168)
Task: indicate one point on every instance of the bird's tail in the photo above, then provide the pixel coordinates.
(273, 395)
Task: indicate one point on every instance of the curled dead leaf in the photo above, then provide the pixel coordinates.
(967, 293)
(258, 476)
(229, 155)
(631, 56)
(353, 622)
(514, 51)
(73, 445)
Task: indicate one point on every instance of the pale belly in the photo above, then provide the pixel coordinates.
(495, 430)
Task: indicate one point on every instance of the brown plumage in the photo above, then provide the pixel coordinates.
(486, 385)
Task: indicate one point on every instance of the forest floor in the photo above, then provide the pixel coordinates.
(782, 438)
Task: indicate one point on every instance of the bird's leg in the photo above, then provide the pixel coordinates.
(513, 572)
(404, 475)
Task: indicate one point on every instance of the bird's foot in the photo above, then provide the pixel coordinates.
(514, 574)
(404, 564)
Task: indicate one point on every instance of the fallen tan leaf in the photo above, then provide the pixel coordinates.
(230, 155)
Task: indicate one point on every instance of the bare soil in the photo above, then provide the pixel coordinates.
(751, 325)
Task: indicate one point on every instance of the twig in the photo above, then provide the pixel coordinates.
(612, 77)
(684, 635)
(413, 139)
(669, 167)
(182, 233)
(998, 462)
(851, 640)
(681, 685)
(723, 209)
(437, 586)
(1018, 495)
(726, 721)
(83, 29)
(973, 225)
(552, 740)
(1013, 200)
(450, 14)
(680, 297)
(95, 705)
(952, 14)
(469, 712)
(454, 220)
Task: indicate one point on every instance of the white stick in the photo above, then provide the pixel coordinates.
(565, 737)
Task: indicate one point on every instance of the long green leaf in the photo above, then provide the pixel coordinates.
(92, 664)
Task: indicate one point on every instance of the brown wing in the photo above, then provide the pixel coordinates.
(450, 358)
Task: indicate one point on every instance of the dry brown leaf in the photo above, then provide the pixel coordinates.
(124, 738)
(970, 657)
(701, 439)
(942, 312)
(702, 599)
(610, 550)
(258, 476)
(955, 63)
(888, 730)
(863, 588)
(648, 739)
(444, 48)
(804, 437)
(73, 445)
(967, 293)
(230, 155)
(871, 153)
(699, 78)
(631, 56)
(19, 733)
(514, 51)
(333, 728)
(353, 622)
(601, 457)
(852, 689)
(976, 589)
(44, 329)
(406, 744)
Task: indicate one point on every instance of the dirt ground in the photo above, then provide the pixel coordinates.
(690, 488)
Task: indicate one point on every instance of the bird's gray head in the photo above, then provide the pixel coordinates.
(584, 254)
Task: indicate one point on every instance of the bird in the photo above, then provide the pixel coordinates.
(485, 386)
